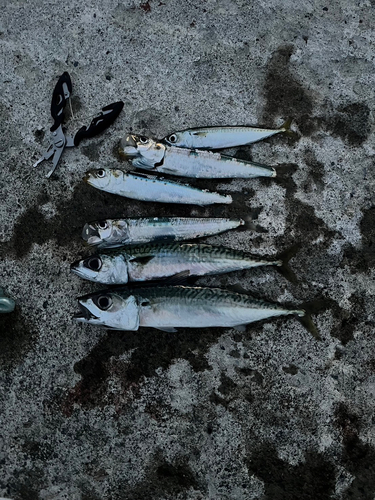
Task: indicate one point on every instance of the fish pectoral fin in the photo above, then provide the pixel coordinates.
(240, 328)
(143, 163)
(200, 134)
(168, 329)
(177, 279)
(144, 259)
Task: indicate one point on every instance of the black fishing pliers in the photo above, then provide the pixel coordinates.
(58, 140)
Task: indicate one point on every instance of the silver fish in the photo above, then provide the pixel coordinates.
(113, 233)
(7, 305)
(148, 154)
(153, 262)
(171, 307)
(221, 137)
(140, 187)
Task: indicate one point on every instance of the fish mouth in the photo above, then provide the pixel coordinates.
(84, 315)
(87, 177)
(75, 267)
(90, 235)
(128, 147)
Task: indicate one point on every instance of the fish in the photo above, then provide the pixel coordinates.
(112, 233)
(7, 305)
(145, 188)
(221, 137)
(169, 307)
(148, 154)
(160, 261)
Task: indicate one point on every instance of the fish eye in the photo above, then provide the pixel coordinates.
(143, 139)
(172, 138)
(103, 224)
(93, 263)
(101, 173)
(104, 302)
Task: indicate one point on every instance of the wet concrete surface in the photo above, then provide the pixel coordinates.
(268, 413)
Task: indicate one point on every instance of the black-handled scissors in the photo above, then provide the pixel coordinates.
(58, 140)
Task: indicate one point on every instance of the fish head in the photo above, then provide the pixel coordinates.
(102, 178)
(175, 139)
(110, 308)
(147, 152)
(106, 233)
(102, 268)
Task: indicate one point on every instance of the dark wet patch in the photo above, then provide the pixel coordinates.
(31, 227)
(343, 326)
(17, 337)
(254, 375)
(26, 484)
(284, 177)
(91, 150)
(227, 386)
(316, 172)
(305, 227)
(351, 123)
(36, 450)
(352, 318)
(146, 6)
(285, 95)
(367, 227)
(218, 400)
(357, 457)
(162, 480)
(152, 350)
(310, 480)
(39, 135)
(362, 259)
(291, 369)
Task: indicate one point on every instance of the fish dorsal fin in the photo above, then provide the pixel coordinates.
(143, 163)
(177, 279)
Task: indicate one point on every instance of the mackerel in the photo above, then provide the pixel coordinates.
(140, 187)
(171, 307)
(147, 154)
(113, 233)
(153, 262)
(221, 137)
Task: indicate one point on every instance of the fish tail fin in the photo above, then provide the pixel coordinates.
(248, 223)
(285, 127)
(308, 309)
(283, 263)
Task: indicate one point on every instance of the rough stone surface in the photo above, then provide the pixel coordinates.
(267, 414)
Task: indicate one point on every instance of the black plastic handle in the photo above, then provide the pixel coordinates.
(99, 123)
(60, 95)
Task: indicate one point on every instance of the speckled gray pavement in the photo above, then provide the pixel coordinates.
(267, 414)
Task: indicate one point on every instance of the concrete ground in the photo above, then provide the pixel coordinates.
(267, 414)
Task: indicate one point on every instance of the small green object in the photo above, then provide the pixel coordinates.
(7, 305)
